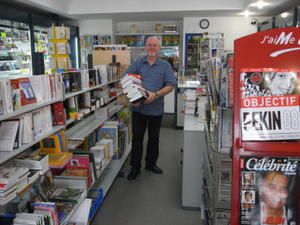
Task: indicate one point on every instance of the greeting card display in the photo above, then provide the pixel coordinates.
(270, 104)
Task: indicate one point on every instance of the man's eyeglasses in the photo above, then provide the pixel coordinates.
(152, 45)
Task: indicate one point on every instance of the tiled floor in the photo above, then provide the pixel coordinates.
(151, 199)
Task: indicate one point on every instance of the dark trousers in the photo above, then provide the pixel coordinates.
(139, 124)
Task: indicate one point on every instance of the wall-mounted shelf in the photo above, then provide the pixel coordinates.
(72, 94)
(4, 156)
(27, 108)
(153, 34)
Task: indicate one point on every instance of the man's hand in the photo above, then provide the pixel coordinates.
(151, 98)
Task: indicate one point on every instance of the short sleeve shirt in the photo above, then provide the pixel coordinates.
(154, 77)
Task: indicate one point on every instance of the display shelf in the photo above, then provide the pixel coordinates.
(4, 156)
(70, 121)
(27, 185)
(26, 109)
(4, 61)
(134, 34)
(87, 129)
(175, 47)
(99, 173)
(116, 109)
(69, 95)
(108, 176)
(66, 221)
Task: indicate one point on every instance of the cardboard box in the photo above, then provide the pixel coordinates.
(105, 57)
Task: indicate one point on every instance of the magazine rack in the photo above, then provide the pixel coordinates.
(266, 124)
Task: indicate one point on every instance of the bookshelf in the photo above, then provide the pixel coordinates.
(66, 221)
(108, 176)
(149, 34)
(136, 40)
(80, 130)
(27, 108)
(88, 125)
(5, 156)
(70, 95)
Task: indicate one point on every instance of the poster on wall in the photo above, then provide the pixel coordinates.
(269, 191)
(270, 104)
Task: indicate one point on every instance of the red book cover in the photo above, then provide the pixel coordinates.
(138, 76)
(80, 162)
(25, 90)
(59, 116)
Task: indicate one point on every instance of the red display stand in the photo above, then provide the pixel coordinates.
(266, 129)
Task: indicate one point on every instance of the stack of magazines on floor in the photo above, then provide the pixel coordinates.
(133, 89)
(51, 206)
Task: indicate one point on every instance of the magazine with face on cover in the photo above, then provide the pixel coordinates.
(269, 191)
(269, 104)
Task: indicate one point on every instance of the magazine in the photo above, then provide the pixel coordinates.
(269, 189)
(270, 104)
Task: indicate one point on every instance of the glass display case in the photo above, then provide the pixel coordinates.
(192, 51)
(41, 45)
(200, 47)
(15, 49)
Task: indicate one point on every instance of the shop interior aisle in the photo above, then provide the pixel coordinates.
(151, 199)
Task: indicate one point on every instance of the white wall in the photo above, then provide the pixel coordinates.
(95, 26)
(120, 6)
(231, 27)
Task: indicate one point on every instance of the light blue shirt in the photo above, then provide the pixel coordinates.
(154, 77)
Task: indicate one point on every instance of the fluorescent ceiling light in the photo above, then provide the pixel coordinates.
(260, 4)
(246, 13)
(284, 15)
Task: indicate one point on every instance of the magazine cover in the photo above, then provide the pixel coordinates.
(270, 104)
(269, 191)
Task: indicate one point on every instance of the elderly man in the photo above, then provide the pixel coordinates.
(158, 79)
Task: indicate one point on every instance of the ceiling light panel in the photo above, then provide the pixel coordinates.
(260, 4)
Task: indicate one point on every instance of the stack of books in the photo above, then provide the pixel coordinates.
(68, 195)
(34, 161)
(56, 146)
(30, 218)
(12, 181)
(133, 89)
(79, 172)
(110, 130)
(48, 210)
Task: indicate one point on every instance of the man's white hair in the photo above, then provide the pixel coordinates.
(153, 37)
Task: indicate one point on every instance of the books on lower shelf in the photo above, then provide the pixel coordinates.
(110, 130)
(59, 160)
(33, 160)
(67, 195)
(12, 180)
(55, 143)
